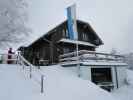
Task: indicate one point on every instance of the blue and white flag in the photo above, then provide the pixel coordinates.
(72, 24)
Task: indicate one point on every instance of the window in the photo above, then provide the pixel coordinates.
(66, 50)
(85, 37)
(65, 33)
(101, 75)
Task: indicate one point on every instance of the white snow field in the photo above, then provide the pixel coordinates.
(59, 84)
(125, 92)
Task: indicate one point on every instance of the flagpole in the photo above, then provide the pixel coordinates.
(73, 32)
(77, 47)
(78, 62)
(77, 44)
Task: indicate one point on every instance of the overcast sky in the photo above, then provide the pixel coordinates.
(111, 19)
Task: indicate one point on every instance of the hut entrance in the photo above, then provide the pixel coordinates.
(102, 77)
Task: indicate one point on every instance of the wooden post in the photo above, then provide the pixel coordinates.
(22, 65)
(30, 71)
(42, 78)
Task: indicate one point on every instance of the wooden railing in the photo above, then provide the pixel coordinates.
(84, 55)
(33, 72)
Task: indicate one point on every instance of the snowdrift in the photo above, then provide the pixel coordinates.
(130, 77)
(125, 92)
(59, 84)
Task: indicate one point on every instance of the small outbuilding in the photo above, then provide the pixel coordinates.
(106, 70)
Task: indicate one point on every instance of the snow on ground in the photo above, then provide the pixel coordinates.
(14, 85)
(59, 84)
(67, 86)
(125, 92)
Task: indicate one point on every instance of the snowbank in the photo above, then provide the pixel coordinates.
(130, 77)
(67, 86)
(59, 84)
(125, 92)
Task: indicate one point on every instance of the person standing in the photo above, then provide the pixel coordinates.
(10, 56)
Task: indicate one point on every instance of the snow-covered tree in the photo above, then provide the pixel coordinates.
(113, 51)
(13, 19)
(129, 60)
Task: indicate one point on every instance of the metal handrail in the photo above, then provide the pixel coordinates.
(22, 61)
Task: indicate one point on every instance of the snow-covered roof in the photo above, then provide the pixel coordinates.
(104, 63)
(76, 42)
(57, 25)
(95, 63)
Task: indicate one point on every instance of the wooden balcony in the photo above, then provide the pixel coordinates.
(84, 56)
